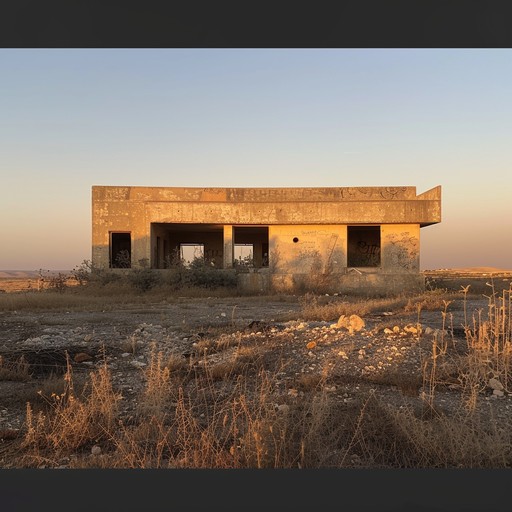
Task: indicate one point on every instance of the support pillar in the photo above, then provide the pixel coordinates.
(228, 246)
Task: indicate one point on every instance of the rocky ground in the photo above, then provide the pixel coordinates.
(384, 352)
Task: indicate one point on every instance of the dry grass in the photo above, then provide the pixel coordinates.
(314, 307)
(18, 370)
(426, 438)
(157, 391)
(222, 419)
(487, 355)
(221, 408)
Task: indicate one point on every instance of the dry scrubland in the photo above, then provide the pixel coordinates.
(174, 372)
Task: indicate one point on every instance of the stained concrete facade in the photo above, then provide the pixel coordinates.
(340, 239)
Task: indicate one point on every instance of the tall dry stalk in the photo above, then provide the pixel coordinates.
(157, 390)
(71, 421)
(489, 346)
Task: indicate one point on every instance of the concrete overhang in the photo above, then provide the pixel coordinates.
(321, 205)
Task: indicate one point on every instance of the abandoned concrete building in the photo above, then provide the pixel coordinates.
(340, 239)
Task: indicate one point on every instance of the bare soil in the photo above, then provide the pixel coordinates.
(385, 357)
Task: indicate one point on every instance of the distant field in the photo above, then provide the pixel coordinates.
(469, 271)
(481, 280)
(26, 274)
(23, 280)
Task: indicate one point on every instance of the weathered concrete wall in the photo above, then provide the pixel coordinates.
(318, 219)
(400, 248)
(346, 205)
(301, 249)
(115, 216)
(254, 281)
(365, 284)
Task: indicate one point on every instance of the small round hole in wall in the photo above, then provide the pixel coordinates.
(295, 240)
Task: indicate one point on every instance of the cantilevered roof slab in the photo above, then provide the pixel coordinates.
(275, 206)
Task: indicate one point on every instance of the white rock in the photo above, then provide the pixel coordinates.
(496, 385)
(352, 323)
(95, 450)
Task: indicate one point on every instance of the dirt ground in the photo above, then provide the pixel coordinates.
(373, 359)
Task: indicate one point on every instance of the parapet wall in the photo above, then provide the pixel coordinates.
(271, 206)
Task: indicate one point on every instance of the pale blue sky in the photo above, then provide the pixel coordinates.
(74, 118)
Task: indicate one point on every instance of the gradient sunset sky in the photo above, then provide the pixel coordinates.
(74, 118)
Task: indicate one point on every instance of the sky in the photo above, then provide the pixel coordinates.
(177, 117)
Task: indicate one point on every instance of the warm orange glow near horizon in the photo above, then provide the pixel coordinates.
(254, 118)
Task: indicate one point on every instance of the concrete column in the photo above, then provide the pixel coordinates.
(228, 246)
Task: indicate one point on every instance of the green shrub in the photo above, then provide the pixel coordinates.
(203, 275)
(199, 274)
(86, 273)
(144, 279)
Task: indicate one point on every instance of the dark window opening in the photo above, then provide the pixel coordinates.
(120, 250)
(363, 246)
(264, 254)
(175, 244)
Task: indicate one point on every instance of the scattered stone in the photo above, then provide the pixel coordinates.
(496, 385)
(352, 323)
(497, 392)
(81, 357)
(96, 450)
(311, 344)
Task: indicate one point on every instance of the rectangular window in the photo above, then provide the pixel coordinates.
(191, 252)
(250, 246)
(243, 255)
(120, 250)
(363, 246)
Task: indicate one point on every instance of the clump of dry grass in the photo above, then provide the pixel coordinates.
(223, 342)
(489, 341)
(129, 345)
(315, 307)
(72, 421)
(18, 370)
(433, 300)
(487, 355)
(157, 391)
(408, 438)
